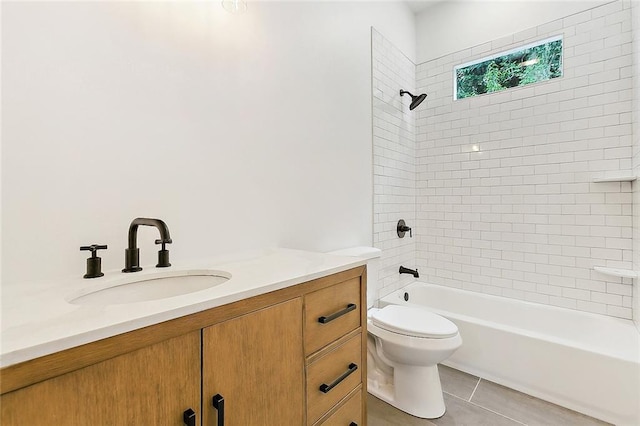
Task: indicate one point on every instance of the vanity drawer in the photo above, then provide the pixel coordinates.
(349, 414)
(332, 377)
(331, 313)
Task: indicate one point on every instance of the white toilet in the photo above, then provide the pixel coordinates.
(405, 345)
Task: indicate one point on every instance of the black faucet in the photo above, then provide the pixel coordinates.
(132, 253)
(404, 270)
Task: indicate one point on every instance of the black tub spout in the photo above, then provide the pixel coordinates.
(413, 272)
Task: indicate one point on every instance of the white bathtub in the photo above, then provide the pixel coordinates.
(586, 362)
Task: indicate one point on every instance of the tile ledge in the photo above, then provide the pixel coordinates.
(620, 177)
(616, 272)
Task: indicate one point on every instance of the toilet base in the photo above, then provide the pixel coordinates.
(414, 390)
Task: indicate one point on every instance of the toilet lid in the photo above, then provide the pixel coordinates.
(414, 322)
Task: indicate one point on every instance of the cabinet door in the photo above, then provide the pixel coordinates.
(256, 363)
(150, 386)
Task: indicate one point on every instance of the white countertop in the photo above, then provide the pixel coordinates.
(37, 320)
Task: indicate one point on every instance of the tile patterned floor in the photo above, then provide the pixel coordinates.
(472, 401)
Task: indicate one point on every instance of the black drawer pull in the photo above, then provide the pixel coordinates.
(189, 417)
(218, 403)
(324, 388)
(350, 307)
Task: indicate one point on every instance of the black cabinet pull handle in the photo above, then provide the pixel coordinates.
(218, 404)
(350, 307)
(189, 417)
(324, 388)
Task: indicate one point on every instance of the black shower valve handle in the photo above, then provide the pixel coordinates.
(93, 248)
(163, 242)
(402, 228)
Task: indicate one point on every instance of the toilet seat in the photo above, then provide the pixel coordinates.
(415, 322)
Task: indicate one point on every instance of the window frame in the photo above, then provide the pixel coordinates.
(505, 53)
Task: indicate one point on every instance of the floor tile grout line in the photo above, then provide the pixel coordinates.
(474, 389)
(487, 409)
(499, 414)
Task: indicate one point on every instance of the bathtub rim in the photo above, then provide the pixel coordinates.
(628, 356)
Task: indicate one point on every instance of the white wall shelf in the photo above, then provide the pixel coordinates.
(616, 272)
(620, 177)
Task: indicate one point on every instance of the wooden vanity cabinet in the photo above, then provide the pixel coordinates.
(336, 352)
(263, 358)
(150, 386)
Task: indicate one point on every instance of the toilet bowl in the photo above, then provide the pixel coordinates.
(404, 346)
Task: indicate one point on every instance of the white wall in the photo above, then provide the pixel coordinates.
(450, 26)
(239, 131)
(521, 217)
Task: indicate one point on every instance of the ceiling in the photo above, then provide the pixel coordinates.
(418, 6)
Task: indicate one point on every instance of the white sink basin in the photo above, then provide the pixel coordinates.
(130, 288)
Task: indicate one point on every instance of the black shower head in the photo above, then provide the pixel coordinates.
(415, 100)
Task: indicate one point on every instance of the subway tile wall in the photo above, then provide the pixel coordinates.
(635, 19)
(394, 160)
(505, 198)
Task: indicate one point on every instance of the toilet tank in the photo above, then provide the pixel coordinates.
(372, 255)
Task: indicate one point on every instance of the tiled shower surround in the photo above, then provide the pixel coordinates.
(394, 160)
(505, 199)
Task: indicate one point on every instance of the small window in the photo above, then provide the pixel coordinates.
(528, 64)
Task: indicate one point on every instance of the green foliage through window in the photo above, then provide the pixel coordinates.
(530, 64)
